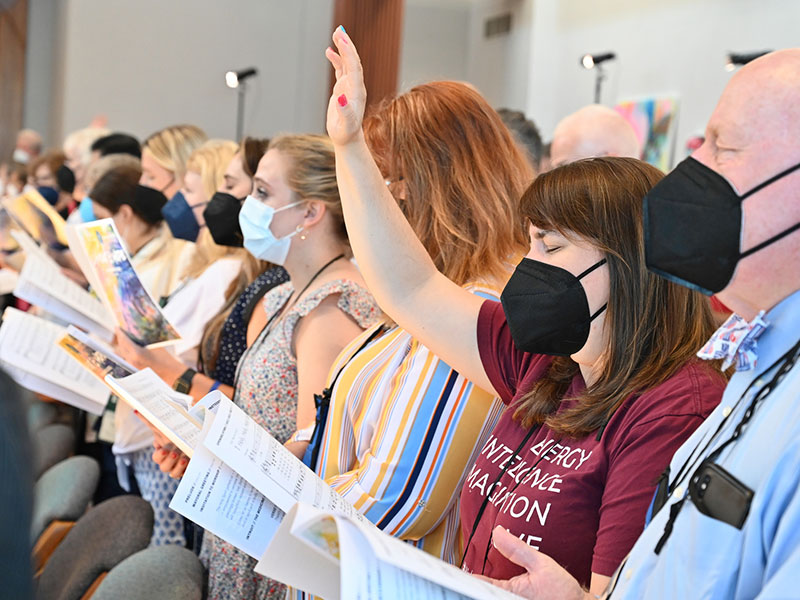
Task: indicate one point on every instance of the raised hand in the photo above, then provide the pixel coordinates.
(544, 579)
(349, 97)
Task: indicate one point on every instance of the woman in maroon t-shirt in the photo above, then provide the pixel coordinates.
(594, 355)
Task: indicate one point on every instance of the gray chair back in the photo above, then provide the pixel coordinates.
(63, 492)
(101, 539)
(163, 572)
(51, 445)
(41, 414)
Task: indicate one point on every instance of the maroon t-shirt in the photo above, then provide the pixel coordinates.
(584, 503)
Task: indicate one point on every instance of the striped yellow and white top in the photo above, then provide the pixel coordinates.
(402, 430)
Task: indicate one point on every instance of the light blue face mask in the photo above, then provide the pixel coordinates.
(254, 219)
(86, 210)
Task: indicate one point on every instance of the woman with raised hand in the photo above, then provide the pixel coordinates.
(403, 426)
(593, 355)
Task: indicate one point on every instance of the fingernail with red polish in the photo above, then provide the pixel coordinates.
(184, 461)
(342, 100)
(174, 455)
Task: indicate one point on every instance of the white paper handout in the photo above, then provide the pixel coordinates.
(42, 283)
(261, 481)
(169, 411)
(28, 350)
(8, 280)
(267, 465)
(220, 500)
(353, 561)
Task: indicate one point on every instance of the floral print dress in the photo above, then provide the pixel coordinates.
(266, 389)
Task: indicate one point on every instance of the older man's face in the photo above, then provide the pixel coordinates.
(754, 134)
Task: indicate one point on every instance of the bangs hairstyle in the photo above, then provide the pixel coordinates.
(172, 146)
(461, 172)
(655, 326)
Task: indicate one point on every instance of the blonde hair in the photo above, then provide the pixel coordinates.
(210, 160)
(102, 166)
(312, 172)
(252, 150)
(81, 141)
(172, 146)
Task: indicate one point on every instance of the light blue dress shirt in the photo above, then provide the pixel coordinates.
(709, 559)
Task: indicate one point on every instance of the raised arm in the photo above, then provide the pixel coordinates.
(394, 263)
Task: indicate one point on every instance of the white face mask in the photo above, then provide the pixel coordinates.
(21, 156)
(255, 219)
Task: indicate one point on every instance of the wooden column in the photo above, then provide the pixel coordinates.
(13, 36)
(376, 28)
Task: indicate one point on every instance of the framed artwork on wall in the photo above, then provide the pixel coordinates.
(655, 120)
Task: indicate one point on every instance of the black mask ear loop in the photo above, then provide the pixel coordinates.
(595, 266)
(780, 235)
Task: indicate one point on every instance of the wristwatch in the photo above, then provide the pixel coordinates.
(184, 383)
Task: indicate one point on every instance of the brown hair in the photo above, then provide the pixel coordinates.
(312, 172)
(462, 172)
(655, 326)
(103, 165)
(120, 185)
(52, 158)
(252, 150)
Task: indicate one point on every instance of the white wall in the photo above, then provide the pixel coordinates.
(435, 42)
(500, 66)
(151, 63)
(39, 66)
(444, 39)
(662, 47)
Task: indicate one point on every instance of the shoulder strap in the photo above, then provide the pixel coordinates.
(323, 402)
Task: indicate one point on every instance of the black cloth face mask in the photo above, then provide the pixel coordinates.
(693, 227)
(546, 308)
(222, 218)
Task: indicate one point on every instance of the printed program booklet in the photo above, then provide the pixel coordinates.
(98, 249)
(37, 218)
(41, 282)
(248, 489)
(30, 353)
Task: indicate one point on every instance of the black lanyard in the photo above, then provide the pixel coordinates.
(785, 364)
(267, 328)
(322, 403)
(492, 488)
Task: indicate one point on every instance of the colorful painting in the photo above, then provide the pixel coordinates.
(323, 535)
(92, 359)
(133, 308)
(655, 121)
(38, 219)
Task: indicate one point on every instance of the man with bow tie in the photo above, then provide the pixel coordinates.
(725, 522)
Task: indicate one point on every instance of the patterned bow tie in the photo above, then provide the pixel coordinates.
(736, 342)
